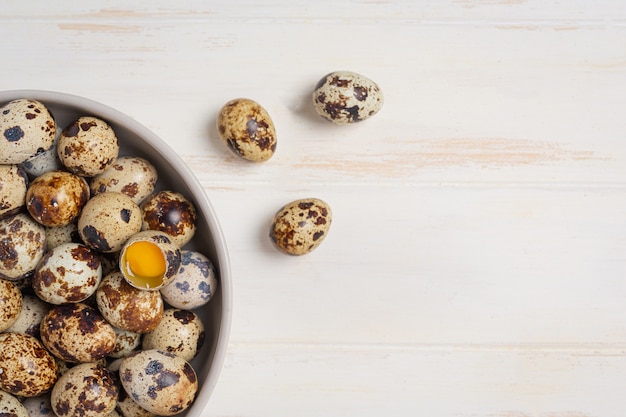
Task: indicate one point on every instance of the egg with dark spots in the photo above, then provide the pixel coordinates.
(77, 333)
(10, 304)
(10, 406)
(22, 245)
(160, 382)
(108, 220)
(172, 213)
(247, 129)
(130, 175)
(13, 186)
(180, 332)
(56, 198)
(88, 146)
(194, 284)
(29, 319)
(346, 97)
(88, 390)
(27, 369)
(27, 128)
(69, 273)
(126, 307)
(300, 226)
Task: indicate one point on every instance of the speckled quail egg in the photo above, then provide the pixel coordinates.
(10, 406)
(56, 198)
(181, 332)
(29, 320)
(27, 369)
(130, 175)
(108, 220)
(22, 245)
(127, 307)
(76, 333)
(39, 406)
(45, 161)
(172, 213)
(149, 260)
(160, 382)
(247, 130)
(87, 390)
(27, 128)
(194, 284)
(346, 97)
(300, 226)
(129, 408)
(69, 273)
(10, 304)
(88, 146)
(57, 235)
(13, 186)
(125, 343)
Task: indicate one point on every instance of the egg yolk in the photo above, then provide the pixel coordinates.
(145, 264)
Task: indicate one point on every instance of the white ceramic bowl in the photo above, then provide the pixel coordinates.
(174, 174)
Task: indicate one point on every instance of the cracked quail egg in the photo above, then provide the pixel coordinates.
(347, 97)
(27, 128)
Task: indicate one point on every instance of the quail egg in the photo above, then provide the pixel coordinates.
(56, 198)
(160, 382)
(10, 406)
(29, 320)
(69, 273)
(27, 369)
(125, 343)
(10, 304)
(130, 175)
(347, 97)
(77, 333)
(181, 332)
(45, 161)
(27, 128)
(149, 260)
(172, 213)
(22, 245)
(247, 130)
(108, 220)
(88, 146)
(39, 406)
(300, 226)
(13, 185)
(194, 284)
(126, 307)
(58, 235)
(87, 390)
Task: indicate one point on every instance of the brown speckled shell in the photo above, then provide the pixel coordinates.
(300, 226)
(69, 273)
(22, 245)
(247, 130)
(127, 307)
(13, 186)
(88, 146)
(77, 333)
(130, 175)
(10, 304)
(29, 320)
(171, 252)
(56, 198)
(88, 390)
(172, 213)
(181, 332)
(160, 382)
(108, 220)
(26, 129)
(347, 97)
(125, 343)
(28, 369)
(10, 406)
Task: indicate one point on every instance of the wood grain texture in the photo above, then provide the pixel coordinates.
(475, 266)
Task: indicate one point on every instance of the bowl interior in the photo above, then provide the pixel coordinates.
(137, 140)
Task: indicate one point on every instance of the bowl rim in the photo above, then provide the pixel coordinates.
(172, 157)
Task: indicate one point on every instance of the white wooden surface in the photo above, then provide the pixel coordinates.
(476, 265)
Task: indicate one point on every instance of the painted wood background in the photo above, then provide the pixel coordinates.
(476, 265)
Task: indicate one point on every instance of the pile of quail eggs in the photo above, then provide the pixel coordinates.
(97, 285)
(97, 288)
